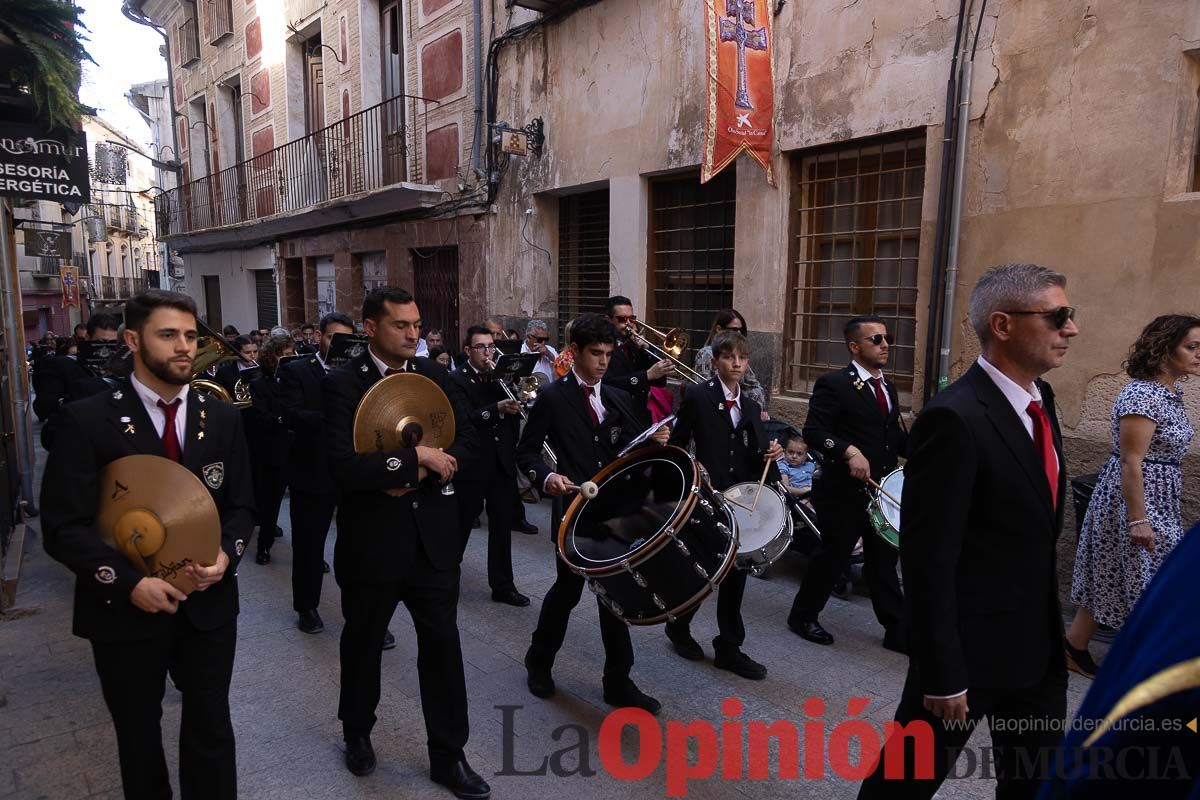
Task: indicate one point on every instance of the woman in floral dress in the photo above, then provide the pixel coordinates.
(731, 320)
(1134, 518)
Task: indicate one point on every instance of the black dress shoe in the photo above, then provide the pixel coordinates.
(539, 681)
(477, 523)
(263, 558)
(526, 527)
(462, 780)
(325, 567)
(626, 694)
(812, 631)
(739, 663)
(895, 642)
(389, 641)
(278, 532)
(685, 645)
(311, 622)
(510, 596)
(360, 756)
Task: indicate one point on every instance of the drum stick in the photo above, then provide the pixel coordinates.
(739, 505)
(884, 492)
(761, 481)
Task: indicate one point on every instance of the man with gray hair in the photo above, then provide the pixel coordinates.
(983, 501)
(537, 334)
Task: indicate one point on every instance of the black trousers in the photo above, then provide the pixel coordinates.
(843, 520)
(133, 679)
(270, 482)
(556, 614)
(431, 597)
(1014, 751)
(311, 514)
(731, 628)
(497, 495)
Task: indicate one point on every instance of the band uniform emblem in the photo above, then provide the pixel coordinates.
(486, 415)
(828, 444)
(106, 575)
(633, 381)
(392, 464)
(214, 475)
(129, 428)
(613, 435)
(239, 547)
(745, 438)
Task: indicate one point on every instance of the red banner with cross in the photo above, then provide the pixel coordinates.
(70, 285)
(741, 85)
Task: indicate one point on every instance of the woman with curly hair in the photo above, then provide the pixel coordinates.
(731, 320)
(1134, 518)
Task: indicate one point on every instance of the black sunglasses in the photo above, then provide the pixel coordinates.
(879, 339)
(1059, 317)
(541, 339)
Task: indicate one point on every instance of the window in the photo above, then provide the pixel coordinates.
(582, 256)
(391, 32)
(856, 229)
(691, 253)
(1196, 153)
(218, 21)
(264, 298)
(189, 36)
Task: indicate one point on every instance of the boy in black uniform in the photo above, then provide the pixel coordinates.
(731, 443)
(493, 475)
(587, 425)
(141, 626)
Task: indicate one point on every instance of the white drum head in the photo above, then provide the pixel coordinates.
(758, 528)
(893, 484)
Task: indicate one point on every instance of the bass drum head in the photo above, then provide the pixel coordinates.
(760, 527)
(893, 484)
(639, 496)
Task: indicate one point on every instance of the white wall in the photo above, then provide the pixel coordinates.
(234, 267)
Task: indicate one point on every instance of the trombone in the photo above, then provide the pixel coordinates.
(526, 393)
(670, 346)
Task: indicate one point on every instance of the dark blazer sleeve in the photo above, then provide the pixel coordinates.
(51, 390)
(529, 448)
(359, 472)
(291, 401)
(760, 436)
(823, 409)
(466, 440)
(70, 487)
(237, 512)
(938, 484)
(685, 418)
(902, 441)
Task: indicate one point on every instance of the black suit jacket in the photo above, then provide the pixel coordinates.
(629, 375)
(730, 454)
(377, 533)
(977, 539)
(266, 432)
(843, 411)
(56, 375)
(496, 433)
(561, 417)
(302, 404)
(91, 434)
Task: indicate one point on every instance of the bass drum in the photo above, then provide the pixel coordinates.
(655, 540)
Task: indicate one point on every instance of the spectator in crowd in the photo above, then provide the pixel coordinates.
(537, 337)
(732, 320)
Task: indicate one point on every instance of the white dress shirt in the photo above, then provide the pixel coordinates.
(422, 348)
(593, 398)
(382, 367)
(867, 377)
(321, 361)
(735, 411)
(545, 364)
(158, 417)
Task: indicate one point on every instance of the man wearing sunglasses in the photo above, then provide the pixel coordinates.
(854, 424)
(537, 338)
(632, 368)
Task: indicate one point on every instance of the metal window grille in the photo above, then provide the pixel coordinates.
(1196, 154)
(220, 19)
(691, 253)
(583, 258)
(856, 231)
(189, 36)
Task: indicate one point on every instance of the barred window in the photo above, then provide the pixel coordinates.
(583, 259)
(1196, 154)
(691, 253)
(856, 230)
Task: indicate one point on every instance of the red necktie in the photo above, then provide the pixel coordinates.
(170, 440)
(729, 404)
(880, 397)
(587, 401)
(392, 371)
(1043, 442)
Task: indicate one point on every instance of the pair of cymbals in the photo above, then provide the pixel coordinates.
(160, 516)
(402, 411)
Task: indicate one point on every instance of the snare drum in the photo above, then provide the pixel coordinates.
(764, 530)
(655, 540)
(883, 513)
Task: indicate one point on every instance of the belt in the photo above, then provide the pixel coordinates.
(1154, 461)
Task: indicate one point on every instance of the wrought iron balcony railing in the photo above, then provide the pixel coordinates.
(362, 153)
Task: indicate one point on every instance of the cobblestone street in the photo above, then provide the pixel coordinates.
(56, 740)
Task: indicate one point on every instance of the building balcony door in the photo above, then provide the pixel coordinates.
(435, 287)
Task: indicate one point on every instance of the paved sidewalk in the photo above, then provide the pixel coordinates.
(56, 740)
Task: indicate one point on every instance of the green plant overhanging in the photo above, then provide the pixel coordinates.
(42, 52)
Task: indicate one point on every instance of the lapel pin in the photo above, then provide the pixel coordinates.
(203, 413)
(129, 428)
(200, 435)
(126, 419)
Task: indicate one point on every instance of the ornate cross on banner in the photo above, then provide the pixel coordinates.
(742, 12)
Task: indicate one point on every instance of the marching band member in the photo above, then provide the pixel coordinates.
(314, 496)
(269, 442)
(393, 549)
(537, 338)
(228, 373)
(854, 423)
(586, 424)
(492, 477)
(632, 369)
(731, 443)
(140, 627)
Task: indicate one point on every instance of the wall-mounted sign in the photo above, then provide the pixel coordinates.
(47, 244)
(35, 165)
(70, 285)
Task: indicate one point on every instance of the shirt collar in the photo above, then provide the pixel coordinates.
(1017, 396)
(865, 375)
(150, 398)
(382, 367)
(582, 382)
(321, 361)
(736, 398)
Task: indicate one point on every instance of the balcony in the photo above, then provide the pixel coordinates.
(218, 22)
(109, 287)
(360, 155)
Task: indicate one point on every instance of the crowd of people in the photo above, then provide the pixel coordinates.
(977, 612)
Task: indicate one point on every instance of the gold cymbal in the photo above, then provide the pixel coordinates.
(160, 516)
(402, 411)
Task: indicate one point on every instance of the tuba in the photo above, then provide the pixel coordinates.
(211, 349)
